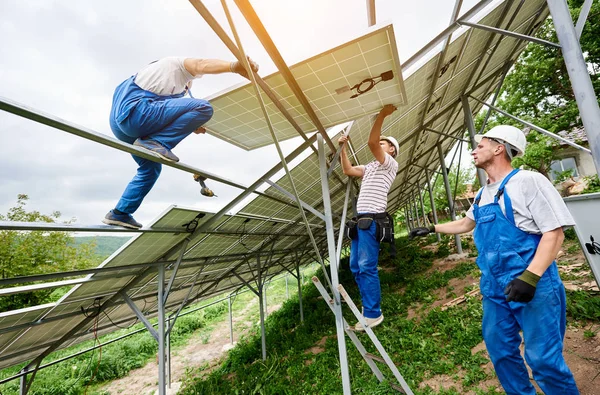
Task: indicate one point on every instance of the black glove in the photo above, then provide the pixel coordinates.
(421, 231)
(522, 288)
(238, 67)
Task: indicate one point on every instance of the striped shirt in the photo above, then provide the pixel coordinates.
(376, 182)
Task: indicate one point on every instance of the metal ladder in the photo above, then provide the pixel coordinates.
(369, 358)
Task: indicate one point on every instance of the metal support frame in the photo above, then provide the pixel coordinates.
(471, 128)
(342, 227)
(509, 34)
(371, 14)
(432, 202)
(291, 196)
(539, 129)
(444, 134)
(449, 195)
(299, 279)
(230, 319)
(583, 14)
(334, 263)
(422, 207)
(587, 102)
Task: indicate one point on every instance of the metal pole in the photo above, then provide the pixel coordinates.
(287, 291)
(23, 385)
(299, 292)
(587, 102)
(406, 215)
(337, 306)
(230, 321)
(266, 305)
(422, 208)
(169, 360)
(371, 15)
(432, 202)
(471, 128)
(449, 195)
(162, 390)
(583, 14)
(343, 222)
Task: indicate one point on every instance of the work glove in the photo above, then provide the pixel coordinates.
(421, 231)
(238, 67)
(522, 288)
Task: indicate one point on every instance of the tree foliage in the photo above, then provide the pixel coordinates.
(25, 253)
(538, 90)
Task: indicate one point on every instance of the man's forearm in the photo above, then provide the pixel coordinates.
(346, 165)
(375, 133)
(463, 225)
(546, 252)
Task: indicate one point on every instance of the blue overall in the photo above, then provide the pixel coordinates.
(139, 113)
(505, 252)
(364, 255)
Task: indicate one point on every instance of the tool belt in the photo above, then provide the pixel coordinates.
(384, 222)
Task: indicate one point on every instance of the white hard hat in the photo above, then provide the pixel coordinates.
(506, 134)
(393, 141)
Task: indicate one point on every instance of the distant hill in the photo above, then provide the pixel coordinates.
(105, 245)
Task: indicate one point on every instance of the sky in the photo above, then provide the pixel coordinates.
(65, 58)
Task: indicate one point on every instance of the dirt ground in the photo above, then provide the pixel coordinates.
(582, 354)
(204, 349)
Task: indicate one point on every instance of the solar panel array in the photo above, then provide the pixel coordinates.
(271, 234)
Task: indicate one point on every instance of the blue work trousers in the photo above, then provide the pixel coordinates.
(364, 256)
(137, 113)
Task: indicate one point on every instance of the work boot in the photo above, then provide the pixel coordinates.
(371, 323)
(125, 220)
(157, 148)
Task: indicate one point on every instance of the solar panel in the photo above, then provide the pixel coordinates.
(326, 80)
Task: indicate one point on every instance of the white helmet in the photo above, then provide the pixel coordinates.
(392, 141)
(506, 134)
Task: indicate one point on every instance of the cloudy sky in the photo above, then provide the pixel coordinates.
(65, 58)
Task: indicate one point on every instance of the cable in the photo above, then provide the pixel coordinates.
(360, 89)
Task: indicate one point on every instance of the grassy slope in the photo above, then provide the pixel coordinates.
(439, 342)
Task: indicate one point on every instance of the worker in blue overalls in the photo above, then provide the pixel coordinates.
(149, 111)
(518, 217)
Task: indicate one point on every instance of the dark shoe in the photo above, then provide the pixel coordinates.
(157, 148)
(125, 220)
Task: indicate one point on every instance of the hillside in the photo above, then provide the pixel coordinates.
(105, 245)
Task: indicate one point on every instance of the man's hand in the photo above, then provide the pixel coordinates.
(421, 231)
(238, 67)
(387, 110)
(200, 130)
(522, 288)
(343, 139)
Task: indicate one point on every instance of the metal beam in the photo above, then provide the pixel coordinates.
(51, 227)
(471, 128)
(260, 31)
(291, 196)
(587, 102)
(541, 130)
(449, 195)
(140, 315)
(510, 34)
(432, 203)
(371, 15)
(583, 14)
(445, 134)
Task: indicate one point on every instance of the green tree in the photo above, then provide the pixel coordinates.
(538, 90)
(25, 253)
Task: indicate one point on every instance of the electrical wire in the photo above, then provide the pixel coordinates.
(593, 247)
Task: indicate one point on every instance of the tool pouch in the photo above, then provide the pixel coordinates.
(364, 223)
(385, 228)
(350, 230)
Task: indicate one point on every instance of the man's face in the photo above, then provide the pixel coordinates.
(485, 152)
(387, 146)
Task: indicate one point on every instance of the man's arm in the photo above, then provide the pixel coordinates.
(455, 227)
(198, 67)
(347, 168)
(375, 134)
(546, 252)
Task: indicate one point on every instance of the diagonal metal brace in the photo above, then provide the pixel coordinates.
(140, 315)
(291, 196)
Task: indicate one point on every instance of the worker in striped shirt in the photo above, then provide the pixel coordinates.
(377, 178)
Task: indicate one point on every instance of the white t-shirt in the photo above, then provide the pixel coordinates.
(376, 182)
(537, 206)
(164, 77)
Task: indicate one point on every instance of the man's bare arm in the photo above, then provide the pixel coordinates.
(546, 252)
(463, 225)
(375, 134)
(347, 168)
(198, 67)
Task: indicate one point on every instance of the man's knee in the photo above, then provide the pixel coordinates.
(205, 109)
(150, 171)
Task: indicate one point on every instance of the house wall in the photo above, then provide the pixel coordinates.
(585, 162)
